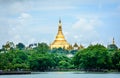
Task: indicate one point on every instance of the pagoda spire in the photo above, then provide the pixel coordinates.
(60, 33)
(60, 25)
(60, 40)
(113, 42)
(59, 20)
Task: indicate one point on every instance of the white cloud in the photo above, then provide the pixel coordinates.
(87, 24)
(24, 15)
(85, 30)
(24, 18)
(76, 36)
(18, 28)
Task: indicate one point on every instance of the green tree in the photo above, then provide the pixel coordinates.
(94, 57)
(64, 64)
(59, 51)
(20, 46)
(41, 62)
(116, 60)
(42, 48)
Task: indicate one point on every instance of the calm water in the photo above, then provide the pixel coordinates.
(64, 75)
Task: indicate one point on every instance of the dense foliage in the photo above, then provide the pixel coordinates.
(97, 58)
(41, 58)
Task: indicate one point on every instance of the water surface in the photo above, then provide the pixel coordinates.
(64, 75)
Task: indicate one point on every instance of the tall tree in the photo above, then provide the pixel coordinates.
(20, 46)
(116, 60)
(42, 48)
(93, 57)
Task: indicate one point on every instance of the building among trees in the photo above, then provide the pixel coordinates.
(60, 40)
(112, 46)
(8, 45)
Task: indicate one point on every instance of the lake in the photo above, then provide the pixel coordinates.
(64, 75)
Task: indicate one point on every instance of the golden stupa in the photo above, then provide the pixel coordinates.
(60, 41)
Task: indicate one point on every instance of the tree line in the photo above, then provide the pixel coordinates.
(39, 58)
(97, 58)
(42, 58)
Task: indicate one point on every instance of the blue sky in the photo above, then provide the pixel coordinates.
(84, 21)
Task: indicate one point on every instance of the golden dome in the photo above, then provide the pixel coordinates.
(60, 39)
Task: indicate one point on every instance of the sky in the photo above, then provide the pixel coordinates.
(83, 21)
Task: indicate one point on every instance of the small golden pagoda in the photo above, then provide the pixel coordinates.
(60, 39)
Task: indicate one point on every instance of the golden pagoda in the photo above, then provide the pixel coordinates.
(60, 41)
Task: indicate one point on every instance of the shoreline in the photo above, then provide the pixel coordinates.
(39, 72)
(14, 72)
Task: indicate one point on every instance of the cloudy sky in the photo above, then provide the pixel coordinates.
(84, 21)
